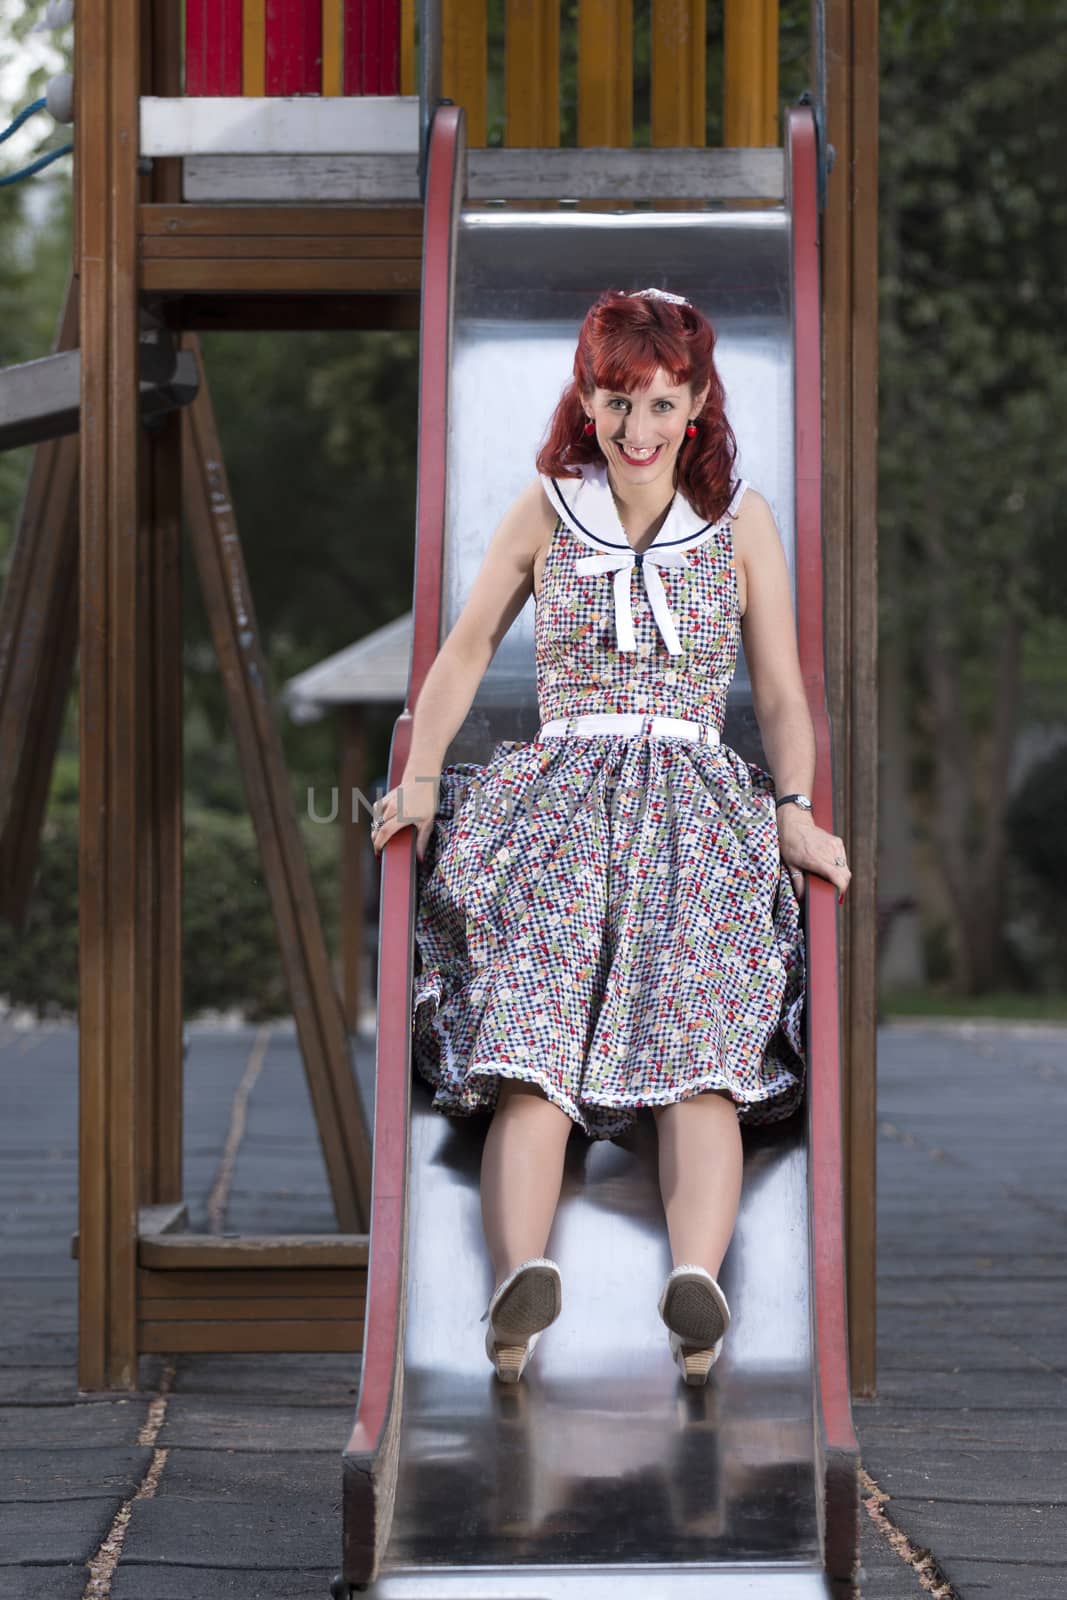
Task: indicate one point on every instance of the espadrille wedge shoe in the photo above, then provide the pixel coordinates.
(697, 1316)
(522, 1307)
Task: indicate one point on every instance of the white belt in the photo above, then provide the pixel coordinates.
(629, 722)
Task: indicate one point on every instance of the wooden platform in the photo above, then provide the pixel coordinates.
(252, 267)
(967, 1439)
(250, 249)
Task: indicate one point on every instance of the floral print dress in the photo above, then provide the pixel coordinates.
(604, 915)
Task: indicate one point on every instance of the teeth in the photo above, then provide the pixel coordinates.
(639, 455)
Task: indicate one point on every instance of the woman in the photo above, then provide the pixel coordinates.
(608, 915)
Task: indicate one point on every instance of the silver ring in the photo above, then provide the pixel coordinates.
(839, 861)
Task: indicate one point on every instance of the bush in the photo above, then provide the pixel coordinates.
(39, 962)
(1036, 875)
(230, 947)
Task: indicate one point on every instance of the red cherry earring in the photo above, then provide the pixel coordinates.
(590, 428)
(691, 430)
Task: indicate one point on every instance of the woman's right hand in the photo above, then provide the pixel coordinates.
(412, 803)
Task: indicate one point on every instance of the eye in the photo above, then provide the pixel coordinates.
(618, 402)
(668, 403)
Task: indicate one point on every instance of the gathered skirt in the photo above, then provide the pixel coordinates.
(609, 918)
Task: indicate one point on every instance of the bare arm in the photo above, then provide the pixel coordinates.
(769, 635)
(499, 592)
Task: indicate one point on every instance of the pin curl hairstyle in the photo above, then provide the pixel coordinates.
(622, 342)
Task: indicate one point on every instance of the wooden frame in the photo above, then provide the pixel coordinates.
(159, 1096)
(850, 476)
(322, 266)
(135, 1291)
(598, 174)
(177, 125)
(111, 882)
(206, 249)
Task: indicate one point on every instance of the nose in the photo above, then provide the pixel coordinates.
(641, 434)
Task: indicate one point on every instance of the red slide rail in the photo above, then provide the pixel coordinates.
(371, 1456)
(837, 1444)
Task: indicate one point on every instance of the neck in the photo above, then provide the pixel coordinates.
(642, 507)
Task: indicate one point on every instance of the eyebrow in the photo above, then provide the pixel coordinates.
(620, 394)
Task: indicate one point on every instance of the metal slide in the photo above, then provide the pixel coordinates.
(601, 1473)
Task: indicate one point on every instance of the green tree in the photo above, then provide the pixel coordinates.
(974, 406)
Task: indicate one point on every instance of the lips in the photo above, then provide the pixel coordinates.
(640, 461)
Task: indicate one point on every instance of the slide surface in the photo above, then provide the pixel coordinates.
(601, 1472)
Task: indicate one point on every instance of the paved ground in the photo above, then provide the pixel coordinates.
(968, 1436)
(228, 1466)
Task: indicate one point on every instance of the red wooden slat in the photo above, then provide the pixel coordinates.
(293, 63)
(372, 47)
(213, 31)
(389, 76)
(353, 51)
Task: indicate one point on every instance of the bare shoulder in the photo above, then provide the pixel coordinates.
(754, 518)
(525, 532)
(507, 575)
(529, 519)
(757, 543)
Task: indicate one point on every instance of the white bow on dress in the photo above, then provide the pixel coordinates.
(587, 506)
(622, 564)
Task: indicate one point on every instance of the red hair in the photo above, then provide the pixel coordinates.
(622, 343)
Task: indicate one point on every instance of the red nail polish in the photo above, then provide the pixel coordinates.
(840, 899)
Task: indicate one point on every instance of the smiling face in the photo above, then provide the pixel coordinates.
(641, 432)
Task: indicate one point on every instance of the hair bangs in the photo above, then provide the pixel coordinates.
(629, 362)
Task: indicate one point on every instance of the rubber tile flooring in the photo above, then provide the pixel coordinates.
(221, 1477)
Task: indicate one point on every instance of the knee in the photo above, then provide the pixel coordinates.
(703, 1098)
(519, 1086)
(525, 1100)
(519, 1091)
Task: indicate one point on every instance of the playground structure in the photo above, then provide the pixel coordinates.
(327, 199)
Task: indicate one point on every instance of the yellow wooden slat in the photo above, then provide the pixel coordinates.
(531, 77)
(464, 62)
(254, 48)
(770, 72)
(679, 71)
(407, 47)
(605, 72)
(750, 112)
(332, 40)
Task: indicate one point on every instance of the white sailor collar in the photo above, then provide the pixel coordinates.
(587, 506)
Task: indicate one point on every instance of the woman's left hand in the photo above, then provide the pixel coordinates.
(805, 847)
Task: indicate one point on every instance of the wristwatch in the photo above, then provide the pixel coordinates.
(800, 800)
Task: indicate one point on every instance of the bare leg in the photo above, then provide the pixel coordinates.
(700, 1160)
(522, 1171)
